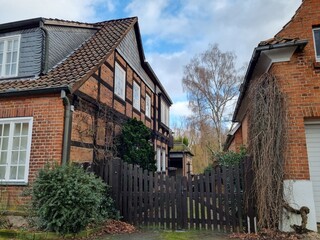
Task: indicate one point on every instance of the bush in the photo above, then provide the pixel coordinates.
(134, 145)
(66, 199)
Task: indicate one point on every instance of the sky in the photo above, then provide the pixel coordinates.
(173, 31)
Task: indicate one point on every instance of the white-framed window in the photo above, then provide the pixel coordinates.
(164, 113)
(148, 106)
(120, 81)
(158, 159)
(9, 56)
(15, 145)
(316, 38)
(136, 96)
(161, 159)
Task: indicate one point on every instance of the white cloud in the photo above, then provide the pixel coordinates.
(77, 10)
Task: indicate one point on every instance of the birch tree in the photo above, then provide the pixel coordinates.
(211, 81)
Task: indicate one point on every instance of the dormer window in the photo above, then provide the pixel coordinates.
(9, 56)
(316, 38)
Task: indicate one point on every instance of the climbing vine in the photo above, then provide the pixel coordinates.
(267, 136)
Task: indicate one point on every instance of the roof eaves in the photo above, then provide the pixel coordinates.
(23, 24)
(253, 62)
(15, 93)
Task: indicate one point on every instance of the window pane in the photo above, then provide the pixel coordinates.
(1, 47)
(15, 45)
(14, 157)
(2, 172)
(5, 142)
(21, 172)
(13, 173)
(1, 57)
(317, 41)
(7, 72)
(1, 130)
(6, 129)
(17, 129)
(3, 158)
(22, 157)
(25, 127)
(23, 143)
(15, 143)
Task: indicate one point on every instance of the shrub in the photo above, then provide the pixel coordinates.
(134, 145)
(66, 199)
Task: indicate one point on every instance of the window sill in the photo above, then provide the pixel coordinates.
(6, 183)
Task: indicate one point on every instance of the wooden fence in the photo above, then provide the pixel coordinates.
(213, 200)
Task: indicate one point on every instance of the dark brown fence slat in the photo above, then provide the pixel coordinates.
(225, 197)
(173, 201)
(184, 202)
(190, 202)
(125, 195)
(135, 193)
(238, 198)
(145, 193)
(151, 198)
(168, 197)
(202, 206)
(156, 197)
(196, 201)
(214, 199)
(208, 200)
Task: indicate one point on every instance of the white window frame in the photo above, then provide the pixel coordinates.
(12, 122)
(148, 106)
(163, 160)
(119, 81)
(136, 96)
(5, 40)
(158, 158)
(164, 113)
(315, 46)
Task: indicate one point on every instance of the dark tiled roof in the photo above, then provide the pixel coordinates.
(277, 40)
(81, 63)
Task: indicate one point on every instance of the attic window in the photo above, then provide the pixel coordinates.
(9, 55)
(316, 38)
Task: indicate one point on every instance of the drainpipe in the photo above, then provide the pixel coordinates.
(67, 127)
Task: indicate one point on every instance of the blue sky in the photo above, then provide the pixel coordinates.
(173, 31)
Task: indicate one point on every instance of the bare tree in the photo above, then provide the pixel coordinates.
(211, 81)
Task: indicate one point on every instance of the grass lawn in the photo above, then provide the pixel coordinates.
(168, 235)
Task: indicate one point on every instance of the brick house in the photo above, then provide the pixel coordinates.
(55, 77)
(293, 57)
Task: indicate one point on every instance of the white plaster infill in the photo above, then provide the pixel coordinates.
(298, 193)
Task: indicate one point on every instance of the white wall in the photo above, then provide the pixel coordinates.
(298, 193)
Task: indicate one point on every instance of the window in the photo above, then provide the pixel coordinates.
(161, 160)
(15, 144)
(164, 113)
(136, 96)
(148, 106)
(119, 81)
(9, 55)
(316, 38)
(158, 159)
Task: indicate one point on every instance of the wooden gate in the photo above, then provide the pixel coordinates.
(213, 200)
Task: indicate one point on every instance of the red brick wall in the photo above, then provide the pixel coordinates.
(46, 146)
(300, 82)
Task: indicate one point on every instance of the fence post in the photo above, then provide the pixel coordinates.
(249, 195)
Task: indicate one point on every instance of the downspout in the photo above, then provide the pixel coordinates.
(67, 128)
